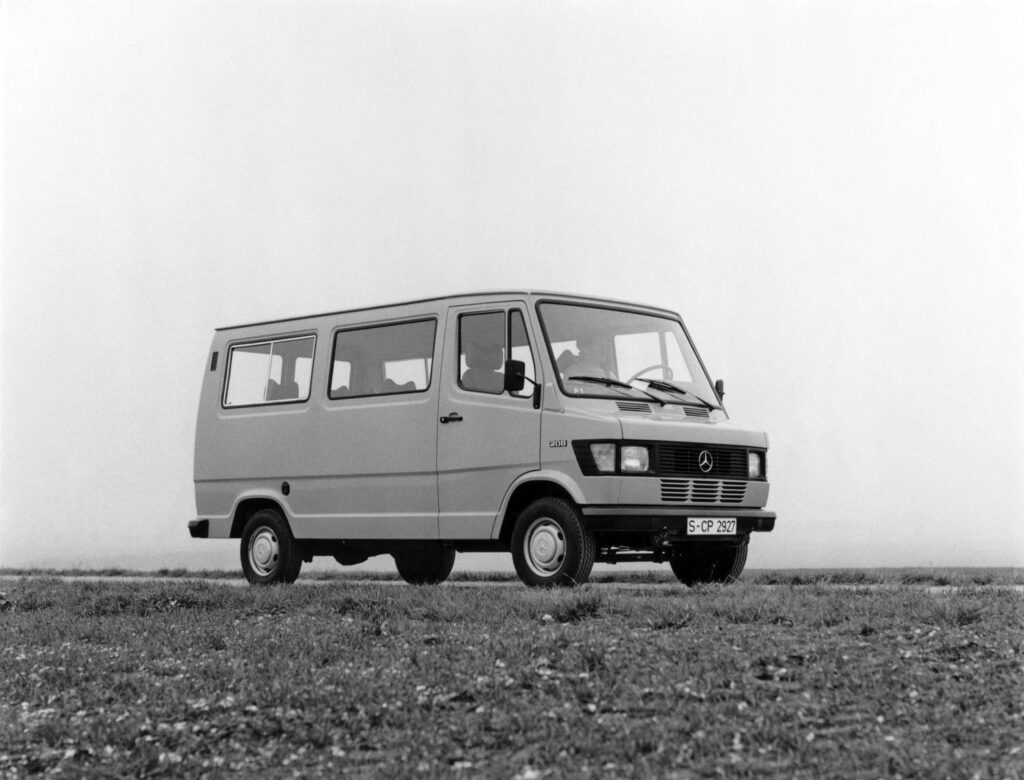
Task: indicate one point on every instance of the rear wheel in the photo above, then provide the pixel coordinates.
(270, 554)
(716, 565)
(692, 568)
(425, 565)
(551, 546)
(347, 556)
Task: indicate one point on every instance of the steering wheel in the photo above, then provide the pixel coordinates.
(641, 372)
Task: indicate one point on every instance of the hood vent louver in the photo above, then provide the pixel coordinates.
(692, 412)
(633, 406)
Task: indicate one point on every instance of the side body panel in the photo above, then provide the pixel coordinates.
(356, 468)
(494, 443)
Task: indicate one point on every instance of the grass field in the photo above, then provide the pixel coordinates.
(797, 680)
(602, 574)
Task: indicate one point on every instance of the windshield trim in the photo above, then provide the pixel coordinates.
(626, 309)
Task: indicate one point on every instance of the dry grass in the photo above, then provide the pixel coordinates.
(955, 576)
(198, 679)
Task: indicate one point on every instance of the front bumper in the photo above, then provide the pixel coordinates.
(199, 529)
(639, 519)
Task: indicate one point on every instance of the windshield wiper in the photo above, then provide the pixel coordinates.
(604, 380)
(609, 382)
(661, 384)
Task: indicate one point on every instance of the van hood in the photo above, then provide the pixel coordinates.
(664, 428)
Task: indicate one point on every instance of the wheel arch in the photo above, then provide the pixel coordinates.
(247, 506)
(527, 490)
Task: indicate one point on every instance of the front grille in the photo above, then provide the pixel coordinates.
(678, 459)
(700, 412)
(702, 491)
(683, 459)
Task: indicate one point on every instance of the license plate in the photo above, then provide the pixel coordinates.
(711, 526)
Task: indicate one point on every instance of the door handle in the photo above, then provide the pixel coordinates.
(451, 417)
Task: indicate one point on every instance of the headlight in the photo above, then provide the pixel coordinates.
(755, 469)
(604, 456)
(634, 459)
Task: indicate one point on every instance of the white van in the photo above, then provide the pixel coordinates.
(564, 429)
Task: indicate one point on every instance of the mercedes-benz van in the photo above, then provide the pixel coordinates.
(563, 429)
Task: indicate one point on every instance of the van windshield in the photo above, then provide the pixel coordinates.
(610, 352)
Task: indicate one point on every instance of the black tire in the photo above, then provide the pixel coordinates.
(551, 546)
(717, 565)
(429, 564)
(730, 563)
(270, 554)
(693, 568)
(347, 556)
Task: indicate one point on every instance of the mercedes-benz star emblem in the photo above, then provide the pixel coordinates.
(704, 461)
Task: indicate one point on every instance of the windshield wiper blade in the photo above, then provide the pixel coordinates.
(604, 380)
(661, 384)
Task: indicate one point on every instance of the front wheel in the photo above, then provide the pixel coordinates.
(730, 564)
(270, 553)
(551, 546)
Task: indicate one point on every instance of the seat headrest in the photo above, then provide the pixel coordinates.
(485, 357)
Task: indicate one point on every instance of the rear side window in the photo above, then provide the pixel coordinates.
(383, 359)
(269, 372)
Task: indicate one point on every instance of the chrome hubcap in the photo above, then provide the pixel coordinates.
(544, 545)
(263, 551)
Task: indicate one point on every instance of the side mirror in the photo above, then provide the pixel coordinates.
(515, 375)
(720, 388)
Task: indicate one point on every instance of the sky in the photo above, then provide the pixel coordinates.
(832, 195)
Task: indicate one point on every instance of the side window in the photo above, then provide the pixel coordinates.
(484, 342)
(520, 349)
(482, 352)
(269, 372)
(383, 359)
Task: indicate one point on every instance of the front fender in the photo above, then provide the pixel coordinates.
(566, 483)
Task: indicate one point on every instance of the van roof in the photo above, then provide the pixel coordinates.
(455, 297)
